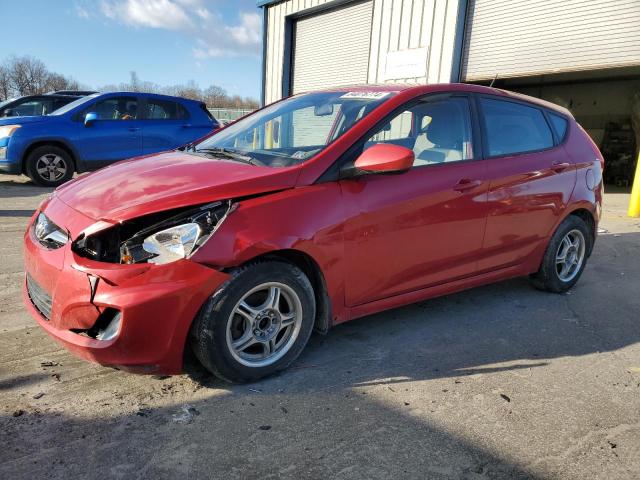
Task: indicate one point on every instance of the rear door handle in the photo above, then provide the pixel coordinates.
(186, 125)
(559, 166)
(134, 129)
(466, 184)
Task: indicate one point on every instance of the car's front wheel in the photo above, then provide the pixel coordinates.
(49, 166)
(256, 324)
(566, 256)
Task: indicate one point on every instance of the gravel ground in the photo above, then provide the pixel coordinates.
(501, 381)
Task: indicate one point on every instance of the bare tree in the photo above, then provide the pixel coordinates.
(5, 85)
(27, 75)
(55, 81)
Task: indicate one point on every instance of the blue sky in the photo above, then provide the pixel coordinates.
(98, 42)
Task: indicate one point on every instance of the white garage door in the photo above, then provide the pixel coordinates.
(332, 48)
(532, 37)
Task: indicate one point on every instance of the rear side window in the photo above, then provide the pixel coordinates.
(560, 124)
(514, 128)
(165, 110)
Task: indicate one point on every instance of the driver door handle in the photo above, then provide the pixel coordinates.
(466, 184)
(559, 166)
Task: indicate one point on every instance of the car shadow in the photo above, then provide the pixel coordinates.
(343, 409)
(21, 188)
(16, 213)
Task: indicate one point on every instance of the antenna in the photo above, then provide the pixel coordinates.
(493, 81)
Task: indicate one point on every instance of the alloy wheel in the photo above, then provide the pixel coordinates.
(264, 324)
(570, 255)
(51, 167)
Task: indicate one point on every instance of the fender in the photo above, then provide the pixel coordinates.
(295, 220)
(79, 162)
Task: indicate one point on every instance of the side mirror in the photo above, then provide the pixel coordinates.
(385, 158)
(89, 118)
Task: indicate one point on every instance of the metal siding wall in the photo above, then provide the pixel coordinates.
(396, 25)
(275, 43)
(332, 48)
(407, 24)
(532, 37)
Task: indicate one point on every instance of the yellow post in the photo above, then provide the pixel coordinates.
(634, 203)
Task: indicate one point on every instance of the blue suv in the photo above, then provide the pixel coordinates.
(97, 130)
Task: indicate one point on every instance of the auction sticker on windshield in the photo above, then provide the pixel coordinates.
(366, 95)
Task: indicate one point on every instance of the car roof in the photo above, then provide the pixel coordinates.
(150, 95)
(448, 87)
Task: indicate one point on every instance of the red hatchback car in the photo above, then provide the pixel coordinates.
(315, 210)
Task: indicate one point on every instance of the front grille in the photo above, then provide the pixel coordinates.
(39, 297)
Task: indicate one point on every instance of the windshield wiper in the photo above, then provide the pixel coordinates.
(227, 153)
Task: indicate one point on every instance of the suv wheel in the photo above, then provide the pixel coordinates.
(49, 166)
(566, 256)
(256, 324)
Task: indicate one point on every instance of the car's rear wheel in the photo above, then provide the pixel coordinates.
(256, 324)
(49, 166)
(565, 257)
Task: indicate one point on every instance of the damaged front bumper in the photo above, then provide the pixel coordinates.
(73, 298)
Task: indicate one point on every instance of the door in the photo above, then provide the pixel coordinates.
(167, 125)
(531, 181)
(522, 38)
(115, 135)
(423, 227)
(332, 48)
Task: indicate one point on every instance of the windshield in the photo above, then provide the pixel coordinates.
(294, 130)
(70, 106)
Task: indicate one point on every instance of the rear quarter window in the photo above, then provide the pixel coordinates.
(560, 125)
(204, 108)
(513, 128)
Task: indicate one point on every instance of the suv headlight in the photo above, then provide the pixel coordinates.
(7, 130)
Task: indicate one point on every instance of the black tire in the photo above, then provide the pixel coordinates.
(52, 153)
(548, 277)
(208, 335)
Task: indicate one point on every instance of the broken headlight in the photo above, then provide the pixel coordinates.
(159, 238)
(175, 238)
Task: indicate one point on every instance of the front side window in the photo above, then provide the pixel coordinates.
(438, 131)
(294, 130)
(514, 128)
(165, 110)
(116, 108)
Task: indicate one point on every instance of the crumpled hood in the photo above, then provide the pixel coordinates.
(168, 180)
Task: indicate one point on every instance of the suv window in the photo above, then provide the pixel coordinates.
(31, 108)
(514, 128)
(165, 110)
(115, 108)
(437, 131)
(560, 124)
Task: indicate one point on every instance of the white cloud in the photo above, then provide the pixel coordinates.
(147, 13)
(82, 12)
(214, 36)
